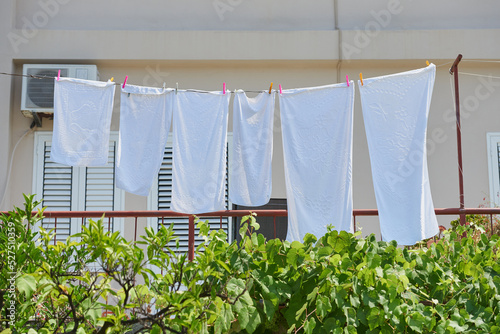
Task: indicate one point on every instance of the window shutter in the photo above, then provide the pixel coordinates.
(100, 186)
(65, 188)
(181, 225)
(498, 156)
(57, 190)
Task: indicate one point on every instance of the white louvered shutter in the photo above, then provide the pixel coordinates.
(498, 156)
(65, 188)
(181, 225)
(100, 187)
(57, 191)
(493, 143)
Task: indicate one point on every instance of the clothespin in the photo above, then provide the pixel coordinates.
(164, 84)
(176, 87)
(361, 78)
(224, 88)
(112, 78)
(427, 62)
(58, 75)
(125, 81)
(281, 91)
(270, 88)
(347, 80)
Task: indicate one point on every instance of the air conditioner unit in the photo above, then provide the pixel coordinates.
(38, 94)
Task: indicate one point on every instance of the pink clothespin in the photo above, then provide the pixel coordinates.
(58, 75)
(125, 81)
(347, 80)
(281, 91)
(224, 88)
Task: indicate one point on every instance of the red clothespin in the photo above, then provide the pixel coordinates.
(361, 78)
(224, 88)
(125, 81)
(347, 80)
(281, 91)
(58, 75)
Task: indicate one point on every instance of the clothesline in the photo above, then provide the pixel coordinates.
(479, 75)
(40, 77)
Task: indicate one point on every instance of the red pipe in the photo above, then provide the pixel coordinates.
(454, 71)
(191, 239)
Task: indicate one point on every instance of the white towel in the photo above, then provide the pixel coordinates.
(199, 152)
(250, 174)
(82, 120)
(395, 111)
(145, 117)
(317, 145)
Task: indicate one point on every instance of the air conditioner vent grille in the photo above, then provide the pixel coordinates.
(41, 91)
(38, 93)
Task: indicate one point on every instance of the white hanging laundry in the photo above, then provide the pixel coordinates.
(199, 151)
(317, 145)
(82, 120)
(395, 112)
(145, 117)
(250, 174)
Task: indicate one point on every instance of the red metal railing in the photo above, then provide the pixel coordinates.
(233, 213)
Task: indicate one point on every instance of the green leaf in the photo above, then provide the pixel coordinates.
(416, 322)
(297, 244)
(26, 284)
(269, 309)
(373, 318)
(309, 325)
(155, 330)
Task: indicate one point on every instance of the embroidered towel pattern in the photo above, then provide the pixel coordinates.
(82, 119)
(145, 117)
(317, 145)
(199, 151)
(251, 171)
(395, 112)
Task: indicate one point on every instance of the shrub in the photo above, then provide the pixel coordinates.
(339, 283)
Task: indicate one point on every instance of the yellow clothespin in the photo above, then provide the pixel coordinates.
(112, 78)
(427, 62)
(270, 88)
(361, 78)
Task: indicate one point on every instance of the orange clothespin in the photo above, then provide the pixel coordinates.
(427, 62)
(270, 88)
(361, 78)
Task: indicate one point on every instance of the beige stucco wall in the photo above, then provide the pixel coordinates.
(259, 42)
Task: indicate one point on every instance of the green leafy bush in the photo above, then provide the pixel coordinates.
(98, 282)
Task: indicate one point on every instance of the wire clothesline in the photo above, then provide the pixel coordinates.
(40, 77)
(479, 75)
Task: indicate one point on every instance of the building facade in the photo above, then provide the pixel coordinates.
(248, 45)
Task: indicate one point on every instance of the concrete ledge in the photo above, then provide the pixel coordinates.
(260, 45)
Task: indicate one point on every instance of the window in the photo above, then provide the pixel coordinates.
(160, 199)
(269, 227)
(494, 167)
(66, 188)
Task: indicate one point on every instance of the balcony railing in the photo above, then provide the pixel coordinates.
(232, 213)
